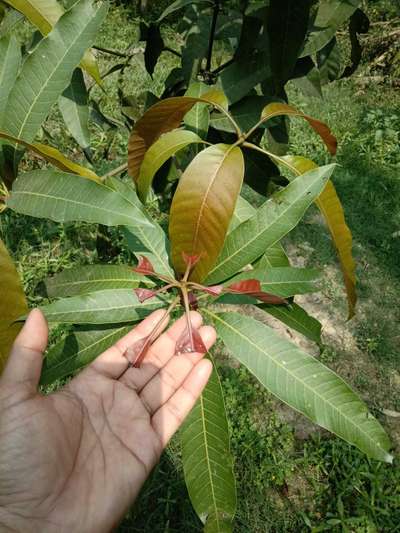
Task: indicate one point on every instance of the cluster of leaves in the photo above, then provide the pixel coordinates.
(218, 250)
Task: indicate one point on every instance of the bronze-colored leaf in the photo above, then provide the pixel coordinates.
(275, 109)
(203, 206)
(160, 118)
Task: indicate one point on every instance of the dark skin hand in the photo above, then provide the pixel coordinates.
(75, 460)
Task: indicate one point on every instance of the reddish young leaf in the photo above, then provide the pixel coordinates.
(144, 294)
(136, 353)
(214, 290)
(252, 287)
(190, 260)
(245, 287)
(190, 343)
(144, 266)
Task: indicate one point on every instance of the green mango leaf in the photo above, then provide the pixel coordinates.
(207, 461)
(48, 69)
(330, 16)
(109, 306)
(282, 281)
(150, 240)
(179, 4)
(302, 382)
(198, 118)
(331, 208)
(274, 256)
(92, 278)
(329, 61)
(53, 156)
(78, 349)
(203, 206)
(272, 221)
(160, 118)
(296, 318)
(196, 47)
(275, 109)
(65, 197)
(238, 79)
(73, 105)
(44, 14)
(246, 112)
(10, 59)
(287, 23)
(12, 303)
(165, 147)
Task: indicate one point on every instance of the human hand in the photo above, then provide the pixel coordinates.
(74, 461)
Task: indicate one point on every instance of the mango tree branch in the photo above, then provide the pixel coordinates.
(274, 157)
(212, 34)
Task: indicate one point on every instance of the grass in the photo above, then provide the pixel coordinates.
(291, 476)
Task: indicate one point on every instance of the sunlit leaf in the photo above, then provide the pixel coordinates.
(203, 205)
(53, 156)
(44, 14)
(207, 461)
(91, 278)
(198, 118)
(73, 105)
(270, 222)
(78, 349)
(166, 146)
(101, 307)
(179, 4)
(12, 303)
(275, 109)
(65, 197)
(330, 206)
(48, 69)
(163, 116)
(302, 382)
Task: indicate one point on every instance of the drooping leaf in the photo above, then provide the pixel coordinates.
(144, 294)
(10, 59)
(198, 118)
(302, 382)
(296, 318)
(44, 14)
(154, 47)
(12, 303)
(330, 206)
(282, 281)
(166, 146)
(272, 221)
(179, 4)
(359, 23)
(48, 69)
(78, 349)
(203, 205)
(65, 197)
(73, 105)
(286, 26)
(53, 156)
(207, 461)
(101, 307)
(91, 278)
(330, 15)
(160, 118)
(276, 109)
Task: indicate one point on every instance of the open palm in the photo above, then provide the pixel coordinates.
(75, 460)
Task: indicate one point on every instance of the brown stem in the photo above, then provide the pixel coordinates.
(115, 171)
(187, 314)
(212, 35)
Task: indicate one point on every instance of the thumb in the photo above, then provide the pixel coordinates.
(25, 362)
